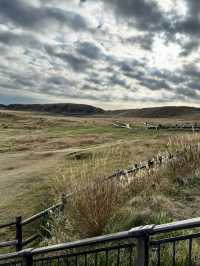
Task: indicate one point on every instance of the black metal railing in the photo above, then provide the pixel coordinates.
(149, 245)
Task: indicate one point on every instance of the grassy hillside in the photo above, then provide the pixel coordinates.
(61, 108)
(159, 112)
(85, 110)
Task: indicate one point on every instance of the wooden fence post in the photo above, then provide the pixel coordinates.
(19, 233)
(64, 201)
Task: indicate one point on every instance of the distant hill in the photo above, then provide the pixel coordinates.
(158, 112)
(82, 110)
(61, 108)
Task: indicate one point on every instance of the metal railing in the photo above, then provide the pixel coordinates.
(140, 246)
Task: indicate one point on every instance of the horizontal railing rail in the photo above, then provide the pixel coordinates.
(132, 247)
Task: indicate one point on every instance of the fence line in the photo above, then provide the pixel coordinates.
(19, 242)
(187, 126)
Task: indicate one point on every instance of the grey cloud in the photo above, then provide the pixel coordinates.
(187, 92)
(174, 77)
(76, 63)
(116, 80)
(26, 15)
(57, 80)
(189, 47)
(133, 70)
(154, 84)
(89, 50)
(145, 15)
(10, 38)
(145, 41)
(194, 85)
(191, 71)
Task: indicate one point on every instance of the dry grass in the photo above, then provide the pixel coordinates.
(152, 196)
(92, 208)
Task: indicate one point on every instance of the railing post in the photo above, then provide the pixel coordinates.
(19, 233)
(142, 245)
(143, 250)
(27, 258)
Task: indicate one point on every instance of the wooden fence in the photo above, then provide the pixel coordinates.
(184, 127)
(19, 242)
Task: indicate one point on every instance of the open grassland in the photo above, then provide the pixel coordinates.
(40, 155)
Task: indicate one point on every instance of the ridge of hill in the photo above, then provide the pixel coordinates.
(83, 109)
(58, 108)
(158, 112)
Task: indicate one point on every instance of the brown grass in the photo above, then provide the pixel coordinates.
(152, 196)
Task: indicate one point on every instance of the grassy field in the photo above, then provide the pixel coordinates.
(38, 155)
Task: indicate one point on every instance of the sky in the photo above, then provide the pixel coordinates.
(112, 54)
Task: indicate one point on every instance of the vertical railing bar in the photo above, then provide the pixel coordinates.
(67, 261)
(174, 253)
(85, 259)
(130, 253)
(76, 260)
(96, 259)
(118, 256)
(190, 252)
(158, 255)
(28, 259)
(106, 257)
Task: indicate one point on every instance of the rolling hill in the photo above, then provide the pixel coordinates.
(85, 110)
(158, 112)
(60, 108)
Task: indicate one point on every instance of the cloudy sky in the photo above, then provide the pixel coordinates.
(110, 53)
